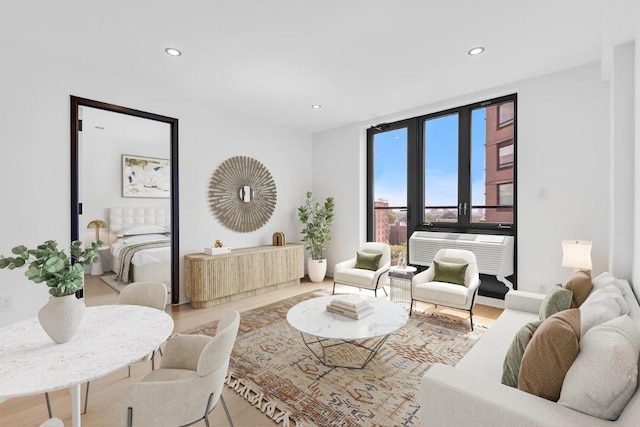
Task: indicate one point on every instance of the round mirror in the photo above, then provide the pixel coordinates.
(246, 193)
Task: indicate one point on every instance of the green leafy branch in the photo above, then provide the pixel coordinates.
(62, 273)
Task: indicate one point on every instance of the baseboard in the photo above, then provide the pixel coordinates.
(491, 302)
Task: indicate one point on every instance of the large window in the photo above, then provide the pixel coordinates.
(452, 170)
(388, 163)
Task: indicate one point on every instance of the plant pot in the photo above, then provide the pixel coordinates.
(60, 317)
(317, 268)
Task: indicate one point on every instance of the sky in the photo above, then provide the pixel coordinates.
(441, 160)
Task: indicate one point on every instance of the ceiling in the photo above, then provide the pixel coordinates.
(359, 59)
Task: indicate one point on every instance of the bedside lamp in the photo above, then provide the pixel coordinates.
(577, 254)
(97, 224)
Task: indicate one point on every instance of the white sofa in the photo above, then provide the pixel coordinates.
(471, 393)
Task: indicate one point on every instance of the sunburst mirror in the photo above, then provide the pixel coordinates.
(242, 194)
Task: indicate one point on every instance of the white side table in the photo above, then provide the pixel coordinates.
(96, 268)
(400, 285)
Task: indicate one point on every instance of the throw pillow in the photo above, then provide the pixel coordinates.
(513, 358)
(605, 279)
(605, 374)
(597, 314)
(580, 284)
(557, 299)
(609, 295)
(448, 272)
(549, 355)
(367, 260)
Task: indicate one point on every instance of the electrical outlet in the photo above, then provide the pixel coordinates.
(6, 303)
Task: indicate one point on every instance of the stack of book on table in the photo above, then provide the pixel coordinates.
(351, 306)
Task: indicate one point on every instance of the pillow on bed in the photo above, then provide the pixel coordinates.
(143, 229)
(144, 238)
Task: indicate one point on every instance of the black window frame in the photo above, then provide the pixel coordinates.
(415, 174)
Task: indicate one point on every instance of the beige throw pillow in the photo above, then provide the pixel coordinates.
(580, 284)
(549, 355)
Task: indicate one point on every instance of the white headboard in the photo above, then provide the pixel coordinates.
(120, 218)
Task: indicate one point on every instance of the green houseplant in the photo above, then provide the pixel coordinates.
(316, 219)
(60, 317)
(47, 264)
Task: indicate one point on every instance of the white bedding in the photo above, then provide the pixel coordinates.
(133, 224)
(144, 257)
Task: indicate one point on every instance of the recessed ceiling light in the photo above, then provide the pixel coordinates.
(172, 51)
(476, 51)
(316, 106)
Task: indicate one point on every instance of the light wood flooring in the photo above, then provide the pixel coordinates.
(105, 392)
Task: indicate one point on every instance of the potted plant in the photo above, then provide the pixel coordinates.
(316, 219)
(63, 274)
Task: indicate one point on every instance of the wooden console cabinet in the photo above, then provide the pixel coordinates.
(214, 279)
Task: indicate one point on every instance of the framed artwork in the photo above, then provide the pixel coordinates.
(146, 177)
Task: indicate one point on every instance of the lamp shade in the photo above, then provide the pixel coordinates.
(97, 224)
(576, 254)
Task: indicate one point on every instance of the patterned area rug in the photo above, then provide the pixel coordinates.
(273, 369)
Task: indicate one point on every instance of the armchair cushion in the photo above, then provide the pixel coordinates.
(441, 292)
(367, 260)
(449, 272)
(355, 277)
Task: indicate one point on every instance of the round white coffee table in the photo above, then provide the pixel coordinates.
(324, 332)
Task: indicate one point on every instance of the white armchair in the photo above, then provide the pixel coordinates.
(425, 289)
(346, 273)
(188, 384)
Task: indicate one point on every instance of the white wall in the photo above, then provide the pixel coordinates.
(621, 162)
(636, 155)
(338, 165)
(34, 166)
(562, 148)
(101, 158)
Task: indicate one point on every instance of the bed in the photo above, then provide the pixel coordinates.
(141, 250)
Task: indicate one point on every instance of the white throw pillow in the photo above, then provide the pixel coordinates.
(605, 279)
(604, 376)
(145, 238)
(143, 229)
(596, 314)
(608, 295)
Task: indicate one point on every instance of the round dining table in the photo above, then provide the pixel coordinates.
(109, 338)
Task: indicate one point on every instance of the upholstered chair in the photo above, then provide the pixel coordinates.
(188, 384)
(426, 287)
(373, 277)
(150, 294)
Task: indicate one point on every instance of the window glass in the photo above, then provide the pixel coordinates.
(441, 169)
(390, 191)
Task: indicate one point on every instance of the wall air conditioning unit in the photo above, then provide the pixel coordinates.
(494, 254)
